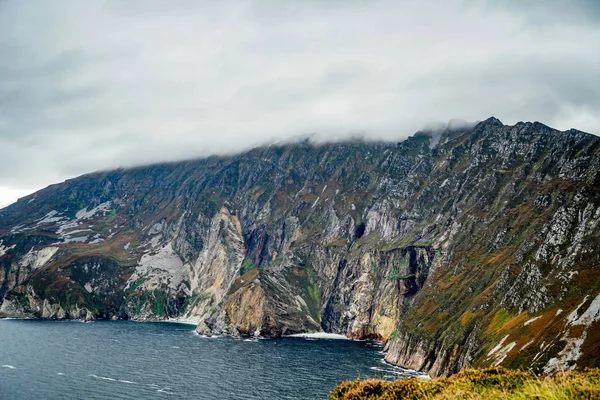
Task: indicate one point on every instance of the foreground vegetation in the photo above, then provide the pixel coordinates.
(491, 383)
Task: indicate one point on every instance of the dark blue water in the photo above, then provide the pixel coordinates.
(129, 360)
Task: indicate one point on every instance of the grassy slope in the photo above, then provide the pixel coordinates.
(491, 383)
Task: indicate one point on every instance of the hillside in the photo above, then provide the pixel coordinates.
(490, 383)
(471, 247)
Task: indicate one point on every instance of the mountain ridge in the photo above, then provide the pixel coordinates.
(458, 254)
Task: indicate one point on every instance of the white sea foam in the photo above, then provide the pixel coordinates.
(319, 335)
(386, 370)
(205, 336)
(106, 378)
(406, 372)
(182, 321)
(9, 366)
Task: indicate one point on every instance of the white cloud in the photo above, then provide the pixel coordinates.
(93, 85)
(9, 196)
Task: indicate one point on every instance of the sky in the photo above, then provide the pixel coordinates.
(89, 85)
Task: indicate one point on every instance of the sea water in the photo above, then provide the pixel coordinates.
(134, 360)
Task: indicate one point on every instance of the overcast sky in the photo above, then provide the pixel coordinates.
(88, 85)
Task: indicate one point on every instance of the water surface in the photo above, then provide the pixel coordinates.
(129, 360)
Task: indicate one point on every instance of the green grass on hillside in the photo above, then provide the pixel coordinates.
(491, 383)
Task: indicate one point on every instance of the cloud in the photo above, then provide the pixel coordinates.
(8, 195)
(93, 85)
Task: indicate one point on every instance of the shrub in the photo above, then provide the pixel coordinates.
(490, 383)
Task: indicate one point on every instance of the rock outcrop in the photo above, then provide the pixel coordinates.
(479, 247)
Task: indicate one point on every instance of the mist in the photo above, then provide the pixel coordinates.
(96, 85)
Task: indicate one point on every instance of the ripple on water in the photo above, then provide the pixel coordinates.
(142, 363)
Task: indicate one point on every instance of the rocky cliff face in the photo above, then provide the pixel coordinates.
(467, 247)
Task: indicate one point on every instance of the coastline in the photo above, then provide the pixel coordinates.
(318, 335)
(310, 336)
(181, 321)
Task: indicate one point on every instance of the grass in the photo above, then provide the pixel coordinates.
(194, 299)
(159, 303)
(500, 318)
(305, 279)
(492, 383)
(135, 285)
(24, 300)
(247, 265)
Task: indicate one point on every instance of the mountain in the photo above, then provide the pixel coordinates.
(466, 247)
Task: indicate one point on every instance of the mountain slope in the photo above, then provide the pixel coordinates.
(469, 247)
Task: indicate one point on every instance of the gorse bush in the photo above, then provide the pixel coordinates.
(490, 383)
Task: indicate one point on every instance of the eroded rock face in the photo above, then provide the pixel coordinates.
(467, 247)
(378, 286)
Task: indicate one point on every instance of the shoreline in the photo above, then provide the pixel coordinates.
(181, 321)
(310, 336)
(318, 335)
(28, 318)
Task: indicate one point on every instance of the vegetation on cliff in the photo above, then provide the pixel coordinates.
(466, 248)
(490, 383)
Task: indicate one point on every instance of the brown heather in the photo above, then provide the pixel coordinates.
(490, 383)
